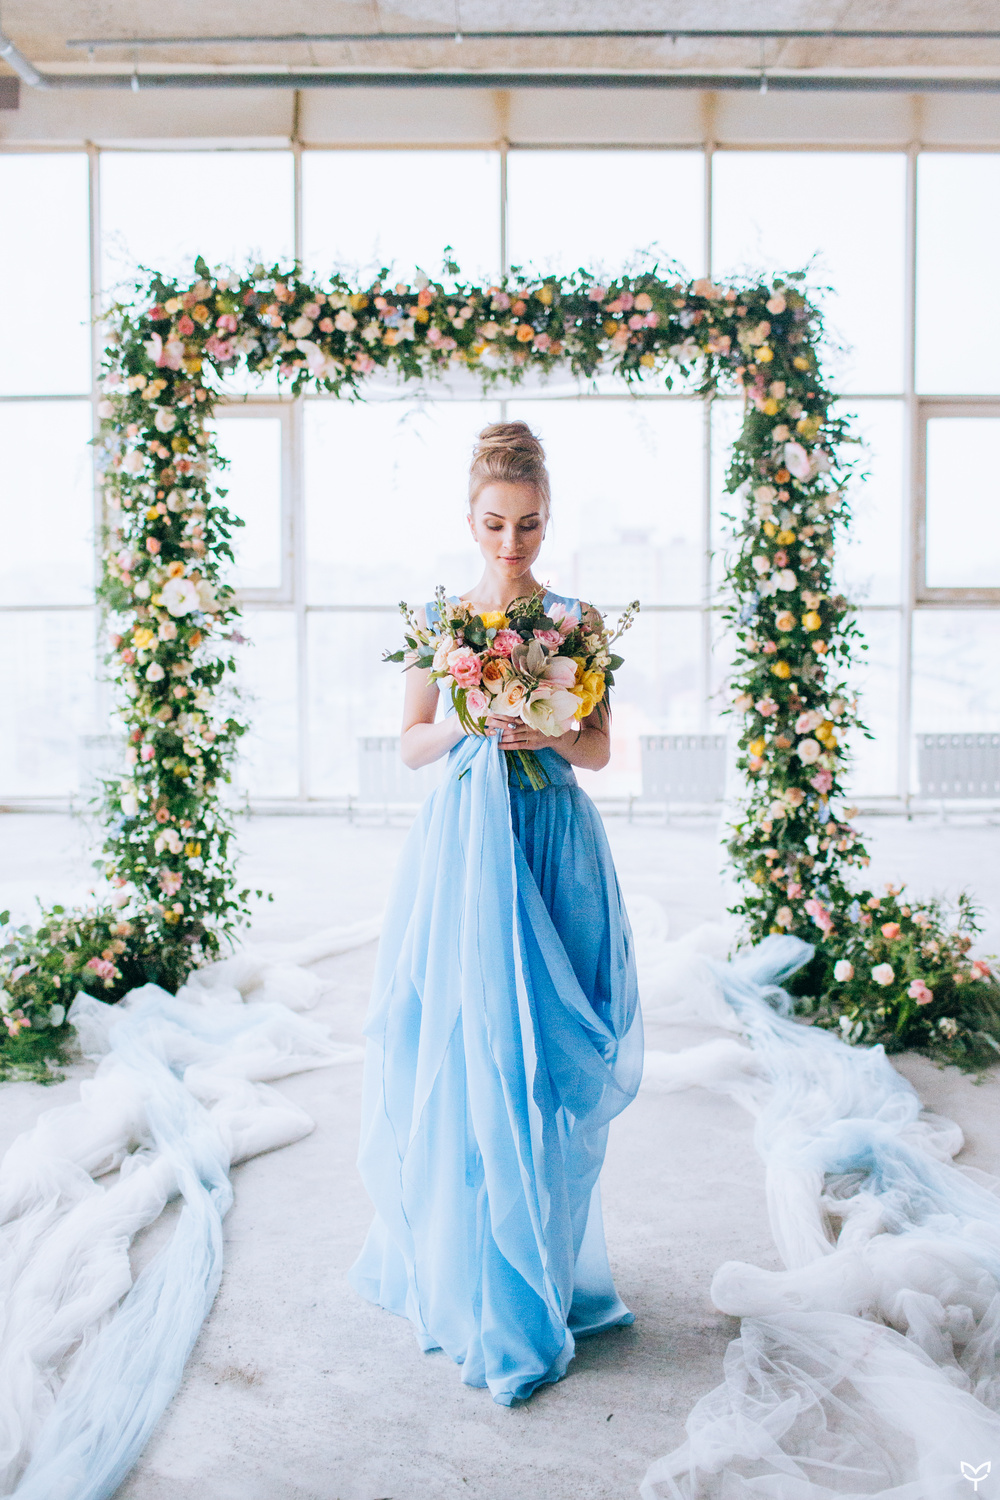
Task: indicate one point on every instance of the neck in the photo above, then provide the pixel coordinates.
(495, 592)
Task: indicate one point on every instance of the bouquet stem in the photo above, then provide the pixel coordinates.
(524, 769)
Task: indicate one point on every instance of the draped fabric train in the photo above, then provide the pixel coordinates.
(504, 1035)
(870, 1366)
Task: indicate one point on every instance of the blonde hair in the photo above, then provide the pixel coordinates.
(509, 453)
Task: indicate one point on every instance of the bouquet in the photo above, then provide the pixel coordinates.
(544, 667)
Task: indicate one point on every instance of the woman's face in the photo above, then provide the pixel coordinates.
(508, 524)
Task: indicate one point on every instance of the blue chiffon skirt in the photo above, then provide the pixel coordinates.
(504, 1034)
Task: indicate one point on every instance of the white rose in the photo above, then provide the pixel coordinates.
(206, 597)
(808, 751)
(142, 589)
(797, 460)
(883, 974)
(345, 321)
(154, 672)
(510, 698)
(768, 586)
(133, 463)
(129, 805)
(180, 596)
(121, 898)
(105, 409)
(164, 419)
(301, 328)
(57, 1015)
(760, 564)
(785, 579)
(843, 970)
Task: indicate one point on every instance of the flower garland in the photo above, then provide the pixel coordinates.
(169, 853)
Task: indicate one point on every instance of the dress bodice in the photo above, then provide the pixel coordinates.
(573, 606)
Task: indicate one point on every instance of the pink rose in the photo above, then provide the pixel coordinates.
(101, 966)
(550, 638)
(463, 664)
(152, 545)
(169, 882)
(504, 642)
(477, 703)
(819, 914)
(766, 707)
(822, 781)
(980, 970)
(597, 293)
(794, 890)
(890, 930)
(542, 342)
(562, 671)
(147, 752)
(920, 992)
(185, 326)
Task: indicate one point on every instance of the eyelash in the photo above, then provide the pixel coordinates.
(532, 526)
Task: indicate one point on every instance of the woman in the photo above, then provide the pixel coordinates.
(504, 1032)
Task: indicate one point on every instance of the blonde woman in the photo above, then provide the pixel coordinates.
(504, 1031)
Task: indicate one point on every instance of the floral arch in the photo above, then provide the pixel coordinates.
(168, 537)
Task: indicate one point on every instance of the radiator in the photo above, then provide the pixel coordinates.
(683, 767)
(958, 765)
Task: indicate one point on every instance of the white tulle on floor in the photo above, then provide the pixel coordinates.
(178, 1097)
(869, 1367)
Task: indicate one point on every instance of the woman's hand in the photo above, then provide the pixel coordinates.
(516, 735)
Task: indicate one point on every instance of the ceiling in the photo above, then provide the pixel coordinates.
(41, 29)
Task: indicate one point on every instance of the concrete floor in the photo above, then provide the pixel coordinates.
(297, 1389)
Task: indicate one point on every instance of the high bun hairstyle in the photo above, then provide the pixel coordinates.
(509, 453)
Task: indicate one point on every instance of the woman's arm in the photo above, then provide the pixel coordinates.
(421, 741)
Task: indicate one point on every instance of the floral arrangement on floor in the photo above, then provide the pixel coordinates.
(97, 949)
(541, 666)
(898, 971)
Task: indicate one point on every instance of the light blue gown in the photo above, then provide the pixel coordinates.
(503, 1036)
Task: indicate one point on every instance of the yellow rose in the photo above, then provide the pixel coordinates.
(544, 295)
(808, 426)
(610, 326)
(200, 313)
(587, 702)
(764, 354)
(786, 538)
(357, 301)
(192, 366)
(143, 637)
(649, 360)
(758, 877)
(495, 620)
(525, 333)
(152, 513)
(770, 529)
(825, 734)
(593, 684)
(758, 746)
(421, 315)
(781, 669)
(770, 407)
(192, 849)
(157, 600)
(171, 917)
(800, 362)
(811, 620)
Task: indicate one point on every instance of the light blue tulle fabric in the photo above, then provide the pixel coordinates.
(504, 1036)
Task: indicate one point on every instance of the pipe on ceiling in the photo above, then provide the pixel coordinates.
(600, 34)
(761, 80)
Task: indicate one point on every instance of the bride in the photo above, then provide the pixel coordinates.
(504, 1030)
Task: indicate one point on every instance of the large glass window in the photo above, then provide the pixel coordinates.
(45, 273)
(962, 503)
(801, 211)
(958, 228)
(604, 209)
(366, 209)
